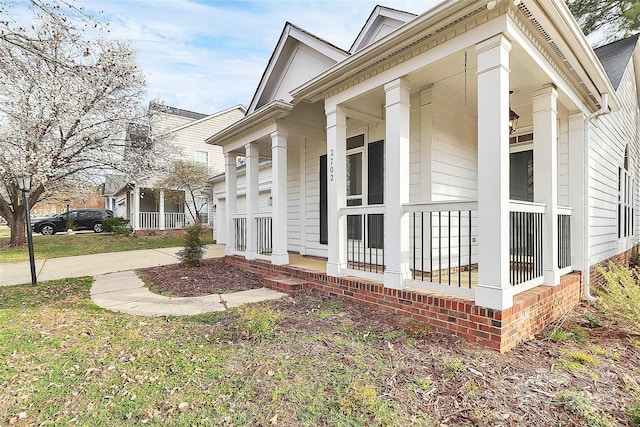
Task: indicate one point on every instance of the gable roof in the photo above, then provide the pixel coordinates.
(615, 57)
(204, 118)
(281, 59)
(176, 111)
(381, 22)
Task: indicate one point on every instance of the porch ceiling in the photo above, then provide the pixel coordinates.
(526, 77)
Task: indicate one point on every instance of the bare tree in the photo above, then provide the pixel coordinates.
(192, 178)
(66, 103)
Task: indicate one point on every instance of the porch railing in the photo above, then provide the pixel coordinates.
(264, 225)
(151, 220)
(564, 237)
(525, 241)
(174, 220)
(240, 232)
(365, 238)
(443, 247)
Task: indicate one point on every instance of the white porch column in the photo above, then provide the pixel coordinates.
(493, 289)
(136, 208)
(251, 165)
(545, 174)
(336, 191)
(231, 191)
(577, 189)
(279, 255)
(162, 218)
(397, 160)
(303, 198)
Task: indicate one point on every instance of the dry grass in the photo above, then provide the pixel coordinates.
(63, 245)
(306, 360)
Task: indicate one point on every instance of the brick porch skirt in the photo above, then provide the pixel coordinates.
(501, 330)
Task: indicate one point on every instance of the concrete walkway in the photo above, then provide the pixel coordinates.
(126, 293)
(15, 273)
(117, 287)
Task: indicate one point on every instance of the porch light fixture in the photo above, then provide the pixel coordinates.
(513, 118)
(24, 184)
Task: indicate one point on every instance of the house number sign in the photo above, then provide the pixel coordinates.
(331, 165)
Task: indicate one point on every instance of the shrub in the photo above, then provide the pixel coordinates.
(620, 295)
(193, 250)
(70, 225)
(116, 225)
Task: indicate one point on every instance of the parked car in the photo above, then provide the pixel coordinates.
(83, 219)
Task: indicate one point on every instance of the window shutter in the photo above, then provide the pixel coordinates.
(375, 164)
(376, 173)
(324, 233)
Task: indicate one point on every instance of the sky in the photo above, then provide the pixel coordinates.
(207, 55)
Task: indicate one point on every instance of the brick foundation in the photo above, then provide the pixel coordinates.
(498, 329)
(595, 278)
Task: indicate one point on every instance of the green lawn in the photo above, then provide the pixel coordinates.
(57, 246)
(297, 361)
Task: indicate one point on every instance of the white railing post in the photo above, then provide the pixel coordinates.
(493, 289)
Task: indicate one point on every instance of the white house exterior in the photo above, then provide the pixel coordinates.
(147, 209)
(396, 160)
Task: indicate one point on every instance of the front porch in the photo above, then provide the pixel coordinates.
(148, 208)
(442, 257)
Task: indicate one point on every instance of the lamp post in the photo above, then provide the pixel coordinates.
(24, 184)
(68, 203)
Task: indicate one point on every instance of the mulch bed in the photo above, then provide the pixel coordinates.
(214, 276)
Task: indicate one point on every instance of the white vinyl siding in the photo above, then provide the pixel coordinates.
(454, 150)
(293, 197)
(608, 136)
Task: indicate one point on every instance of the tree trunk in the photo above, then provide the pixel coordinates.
(18, 224)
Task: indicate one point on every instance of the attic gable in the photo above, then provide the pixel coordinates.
(381, 22)
(298, 56)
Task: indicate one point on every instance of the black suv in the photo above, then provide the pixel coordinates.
(83, 219)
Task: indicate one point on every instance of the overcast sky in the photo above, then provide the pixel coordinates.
(209, 55)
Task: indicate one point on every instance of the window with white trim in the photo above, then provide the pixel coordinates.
(201, 157)
(625, 198)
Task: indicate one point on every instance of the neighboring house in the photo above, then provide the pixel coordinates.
(459, 167)
(148, 208)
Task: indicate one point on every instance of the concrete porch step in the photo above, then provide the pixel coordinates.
(285, 284)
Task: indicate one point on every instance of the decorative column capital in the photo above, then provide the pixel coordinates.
(545, 99)
(279, 139)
